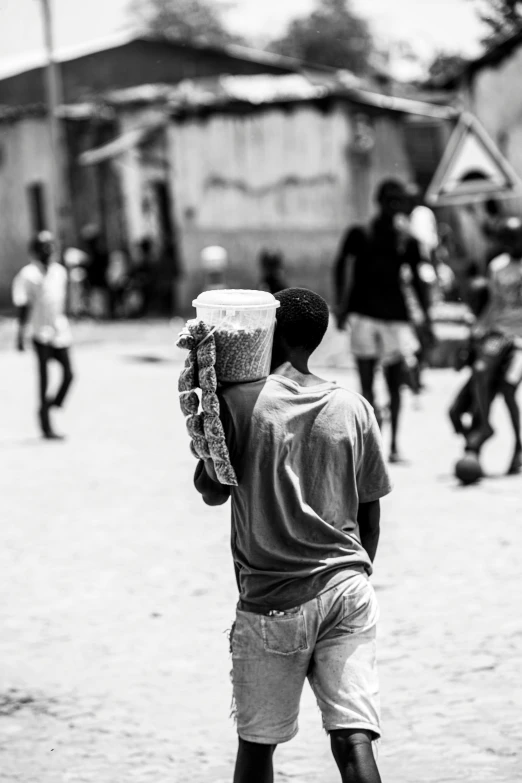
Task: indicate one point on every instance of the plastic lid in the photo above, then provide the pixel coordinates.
(236, 299)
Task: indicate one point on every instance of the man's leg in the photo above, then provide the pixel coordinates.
(462, 404)
(366, 369)
(62, 357)
(482, 397)
(393, 374)
(353, 753)
(344, 678)
(270, 660)
(509, 392)
(42, 359)
(254, 763)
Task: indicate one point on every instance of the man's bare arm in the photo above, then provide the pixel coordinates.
(23, 316)
(368, 519)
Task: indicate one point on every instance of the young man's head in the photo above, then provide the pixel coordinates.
(301, 323)
(392, 198)
(42, 247)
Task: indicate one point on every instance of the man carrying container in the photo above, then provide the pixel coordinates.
(305, 526)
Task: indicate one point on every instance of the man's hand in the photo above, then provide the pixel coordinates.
(368, 519)
(206, 482)
(211, 471)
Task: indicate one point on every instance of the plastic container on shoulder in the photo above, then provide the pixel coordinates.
(243, 323)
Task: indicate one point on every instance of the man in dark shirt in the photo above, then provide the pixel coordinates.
(305, 527)
(369, 289)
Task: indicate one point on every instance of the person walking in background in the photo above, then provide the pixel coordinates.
(39, 292)
(96, 281)
(369, 290)
(305, 528)
(272, 271)
(498, 335)
(117, 281)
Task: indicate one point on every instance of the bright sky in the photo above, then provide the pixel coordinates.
(428, 24)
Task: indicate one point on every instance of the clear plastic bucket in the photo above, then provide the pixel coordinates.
(243, 323)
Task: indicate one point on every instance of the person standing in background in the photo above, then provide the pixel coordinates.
(272, 271)
(369, 290)
(40, 293)
(96, 271)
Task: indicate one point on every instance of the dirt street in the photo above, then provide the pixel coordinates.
(117, 590)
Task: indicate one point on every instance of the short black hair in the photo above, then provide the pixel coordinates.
(302, 317)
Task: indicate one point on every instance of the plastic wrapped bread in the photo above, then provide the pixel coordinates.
(205, 429)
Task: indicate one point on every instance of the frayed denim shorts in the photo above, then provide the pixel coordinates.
(331, 640)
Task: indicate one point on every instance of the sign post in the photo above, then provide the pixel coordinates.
(54, 101)
(472, 168)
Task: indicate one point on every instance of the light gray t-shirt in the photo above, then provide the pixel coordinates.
(305, 458)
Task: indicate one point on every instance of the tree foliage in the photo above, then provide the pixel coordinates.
(196, 21)
(331, 35)
(445, 65)
(502, 18)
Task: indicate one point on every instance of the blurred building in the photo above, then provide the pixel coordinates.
(90, 119)
(489, 87)
(195, 147)
(288, 163)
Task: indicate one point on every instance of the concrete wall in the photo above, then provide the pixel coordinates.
(283, 177)
(25, 158)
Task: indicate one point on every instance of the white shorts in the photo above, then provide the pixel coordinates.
(388, 341)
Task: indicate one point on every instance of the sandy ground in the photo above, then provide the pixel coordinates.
(117, 590)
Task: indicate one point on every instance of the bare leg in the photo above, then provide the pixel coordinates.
(42, 357)
(62, 357)
(393, 375)
(509, 392)
(462, 404)
(366, 369)
(483, 397)
(254, 763)
(352, 751)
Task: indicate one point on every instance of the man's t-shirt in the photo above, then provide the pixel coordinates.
(305, 458)
(44, 290)
(378, 255)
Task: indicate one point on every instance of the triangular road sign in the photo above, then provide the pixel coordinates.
(472, 168)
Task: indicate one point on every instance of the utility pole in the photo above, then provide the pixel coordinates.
(54, 96)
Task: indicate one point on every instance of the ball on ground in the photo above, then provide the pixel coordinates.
(468, 470)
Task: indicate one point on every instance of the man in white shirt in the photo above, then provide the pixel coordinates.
(39, 292)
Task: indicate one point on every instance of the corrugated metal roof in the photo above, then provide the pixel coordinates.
(14, 66)
(221, 93)
(193, 95)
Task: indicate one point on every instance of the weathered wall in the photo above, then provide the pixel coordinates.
(284, 177)
(25, 158)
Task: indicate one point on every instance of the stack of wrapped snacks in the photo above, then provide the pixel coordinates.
(205, 427)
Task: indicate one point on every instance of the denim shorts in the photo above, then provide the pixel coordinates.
(331, 640)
